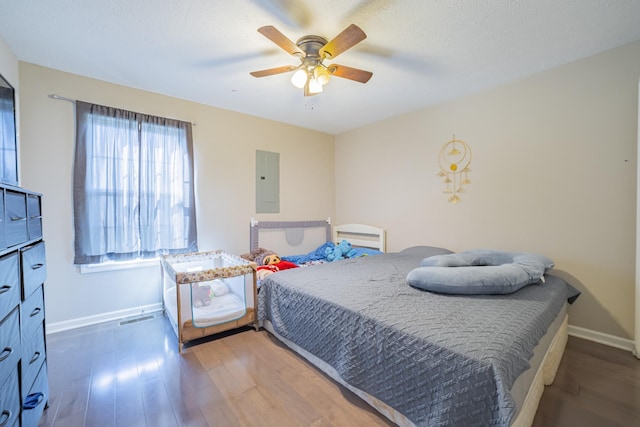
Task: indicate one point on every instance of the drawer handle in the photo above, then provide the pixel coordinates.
(35, 357)
(5, 353)
(7, 415)
(18, 218)
(35, 311)
(32, 400)
(37, 266)
(5, 289)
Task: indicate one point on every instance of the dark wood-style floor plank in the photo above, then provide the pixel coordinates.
(129, 405)
(131, 374)
(596, 385)
(184, 400)
(101, 407)
(157, 404)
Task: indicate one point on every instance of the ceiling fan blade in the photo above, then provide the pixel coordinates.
(280, 39)
(345, 72)
(290, 12)
(272, 71)
(350, 37)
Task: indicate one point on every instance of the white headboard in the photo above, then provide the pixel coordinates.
(360, 235)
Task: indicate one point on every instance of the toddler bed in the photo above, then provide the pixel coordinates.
(421, 358)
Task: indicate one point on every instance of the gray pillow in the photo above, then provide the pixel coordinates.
(481, 257)
(479, 271)
(424, 251)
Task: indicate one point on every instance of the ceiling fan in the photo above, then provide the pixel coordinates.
(312, 73)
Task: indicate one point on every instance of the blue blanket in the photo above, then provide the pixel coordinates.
(316, 255)
(320, 255)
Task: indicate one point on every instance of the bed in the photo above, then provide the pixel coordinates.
(418, 357)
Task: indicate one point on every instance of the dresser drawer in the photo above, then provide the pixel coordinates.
(3, 239)
(9, 283)
(10, 400)
(33, 356)
(10, 349)
(15, 217)
(34, 216)
(38, 395)
(32, 313)
(34, 268)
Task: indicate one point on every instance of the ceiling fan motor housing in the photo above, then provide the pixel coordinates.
(311, 46)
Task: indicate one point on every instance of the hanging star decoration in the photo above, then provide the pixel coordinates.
(454, 160)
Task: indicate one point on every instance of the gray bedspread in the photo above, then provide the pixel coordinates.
(437, 359)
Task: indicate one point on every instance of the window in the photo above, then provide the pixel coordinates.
(133, 186)
(8, 150)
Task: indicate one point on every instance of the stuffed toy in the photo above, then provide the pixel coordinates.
(270, 262)
(267, 258)
(263, 271)
(284, 265)
(270, 258)
(200, 295)
(251, 256)
(333, 253)
(340, 251)
(346, 249)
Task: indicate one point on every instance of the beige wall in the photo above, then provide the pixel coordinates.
(553, 171)
(224, 144)
(8, 64)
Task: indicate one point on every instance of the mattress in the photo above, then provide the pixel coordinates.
(434, 359)
(222, 308)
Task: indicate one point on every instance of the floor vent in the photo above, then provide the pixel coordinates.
(137, 319)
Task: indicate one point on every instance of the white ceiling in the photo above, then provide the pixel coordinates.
(421, 52)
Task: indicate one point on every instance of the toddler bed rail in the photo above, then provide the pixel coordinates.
(298, 237)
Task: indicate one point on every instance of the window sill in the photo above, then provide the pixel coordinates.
(118, 265)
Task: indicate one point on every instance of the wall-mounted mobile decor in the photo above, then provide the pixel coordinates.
(455, 158)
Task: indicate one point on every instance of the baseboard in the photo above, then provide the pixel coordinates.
(81, 322)
(602, 338)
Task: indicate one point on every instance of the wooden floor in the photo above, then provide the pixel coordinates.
(130, 374)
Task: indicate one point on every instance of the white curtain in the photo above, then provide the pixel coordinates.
(133, 185)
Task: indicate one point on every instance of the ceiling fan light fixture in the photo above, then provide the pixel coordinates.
(299, 78)
(321, 74)
(312, 74)
(314, 86)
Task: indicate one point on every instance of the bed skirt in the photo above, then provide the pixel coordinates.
(556, 340)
